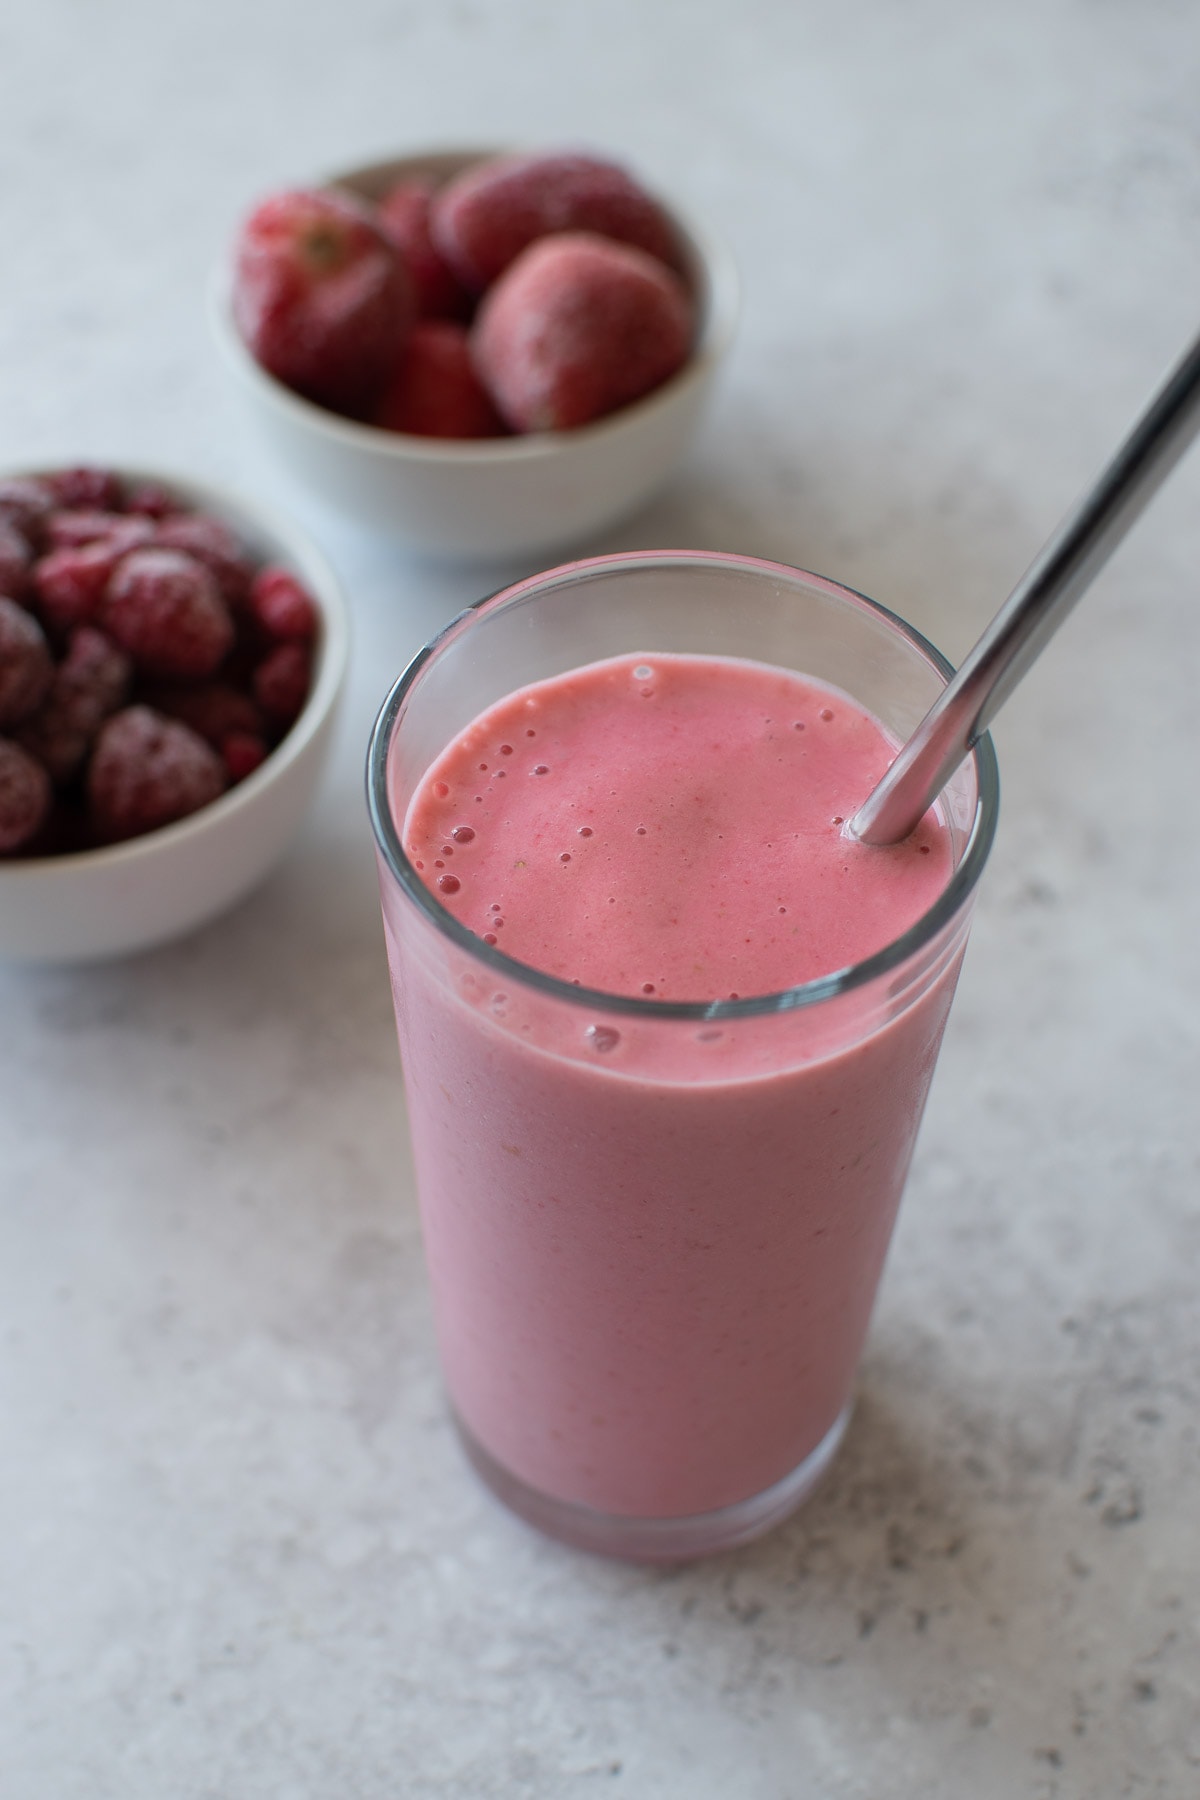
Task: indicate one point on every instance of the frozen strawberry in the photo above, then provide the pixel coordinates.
(152, 500)
(70, 581)
(86, 486)
(212, 709)
(26, 502)
(321, 296)
(25, 796)
(89, 683)
(435, 391)
(282, 606)
(166, 609)
(486, 216)
(212, 543)
(242, 752)
(16, 560)
(147, 771)
(281, 682)
(73, 526)
(404, 218)
(26, 666)
(577, 327)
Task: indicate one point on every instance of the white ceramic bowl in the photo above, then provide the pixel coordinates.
(493, 497)
(100, 903)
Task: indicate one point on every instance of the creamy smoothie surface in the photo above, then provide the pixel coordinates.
(671, 826)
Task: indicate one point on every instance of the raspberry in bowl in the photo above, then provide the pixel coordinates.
(171, 658)
(523, 408)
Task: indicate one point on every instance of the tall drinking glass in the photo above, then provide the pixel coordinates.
(655, 1230)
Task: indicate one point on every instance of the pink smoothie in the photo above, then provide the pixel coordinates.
(654, 1243)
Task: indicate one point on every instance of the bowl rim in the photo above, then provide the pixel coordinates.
(252, 518)
(721, 303)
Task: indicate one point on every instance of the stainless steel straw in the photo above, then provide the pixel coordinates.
(1035, 609)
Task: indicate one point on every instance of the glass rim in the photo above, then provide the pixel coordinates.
(808, 993)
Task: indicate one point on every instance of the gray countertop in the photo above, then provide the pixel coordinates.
(240, 1554)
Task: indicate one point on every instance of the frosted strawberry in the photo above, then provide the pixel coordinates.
(486, 216)
(282, 607)
(147, 771)
(86, 486)
(577, 327)
(281, 683)
(214, 710)
(26, 501)
(404, 216)
(242, 752)
(16, 560)
(70, 581)
(26, 666)
(89, 683)
(212, 543)
(435, 391)
(152, 499)
(166, 610)
(72, 527)
(25, 796)
(321, 296)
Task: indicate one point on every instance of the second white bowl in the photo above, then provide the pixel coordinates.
(491, 497)
(124, 897)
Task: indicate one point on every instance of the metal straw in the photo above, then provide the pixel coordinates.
(1035, 609)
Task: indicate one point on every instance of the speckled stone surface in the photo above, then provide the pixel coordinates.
(240, 1554)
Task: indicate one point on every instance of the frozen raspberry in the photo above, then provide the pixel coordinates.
(212, 709)
(404, 217)
(151, 500)
(281, 682)
(89, 683)
(486, 216)
(86, 487)
(282, 606)
(26, 502)
(147, 771)
(16, 560)
(26, 666)
(213, 544)
(321, 296)
(242, 752)
(577, 327)
(435, 391)
(71, 581)
(24, 796)
(166, 609)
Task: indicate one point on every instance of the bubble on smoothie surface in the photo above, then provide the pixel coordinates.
(602, 1038)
